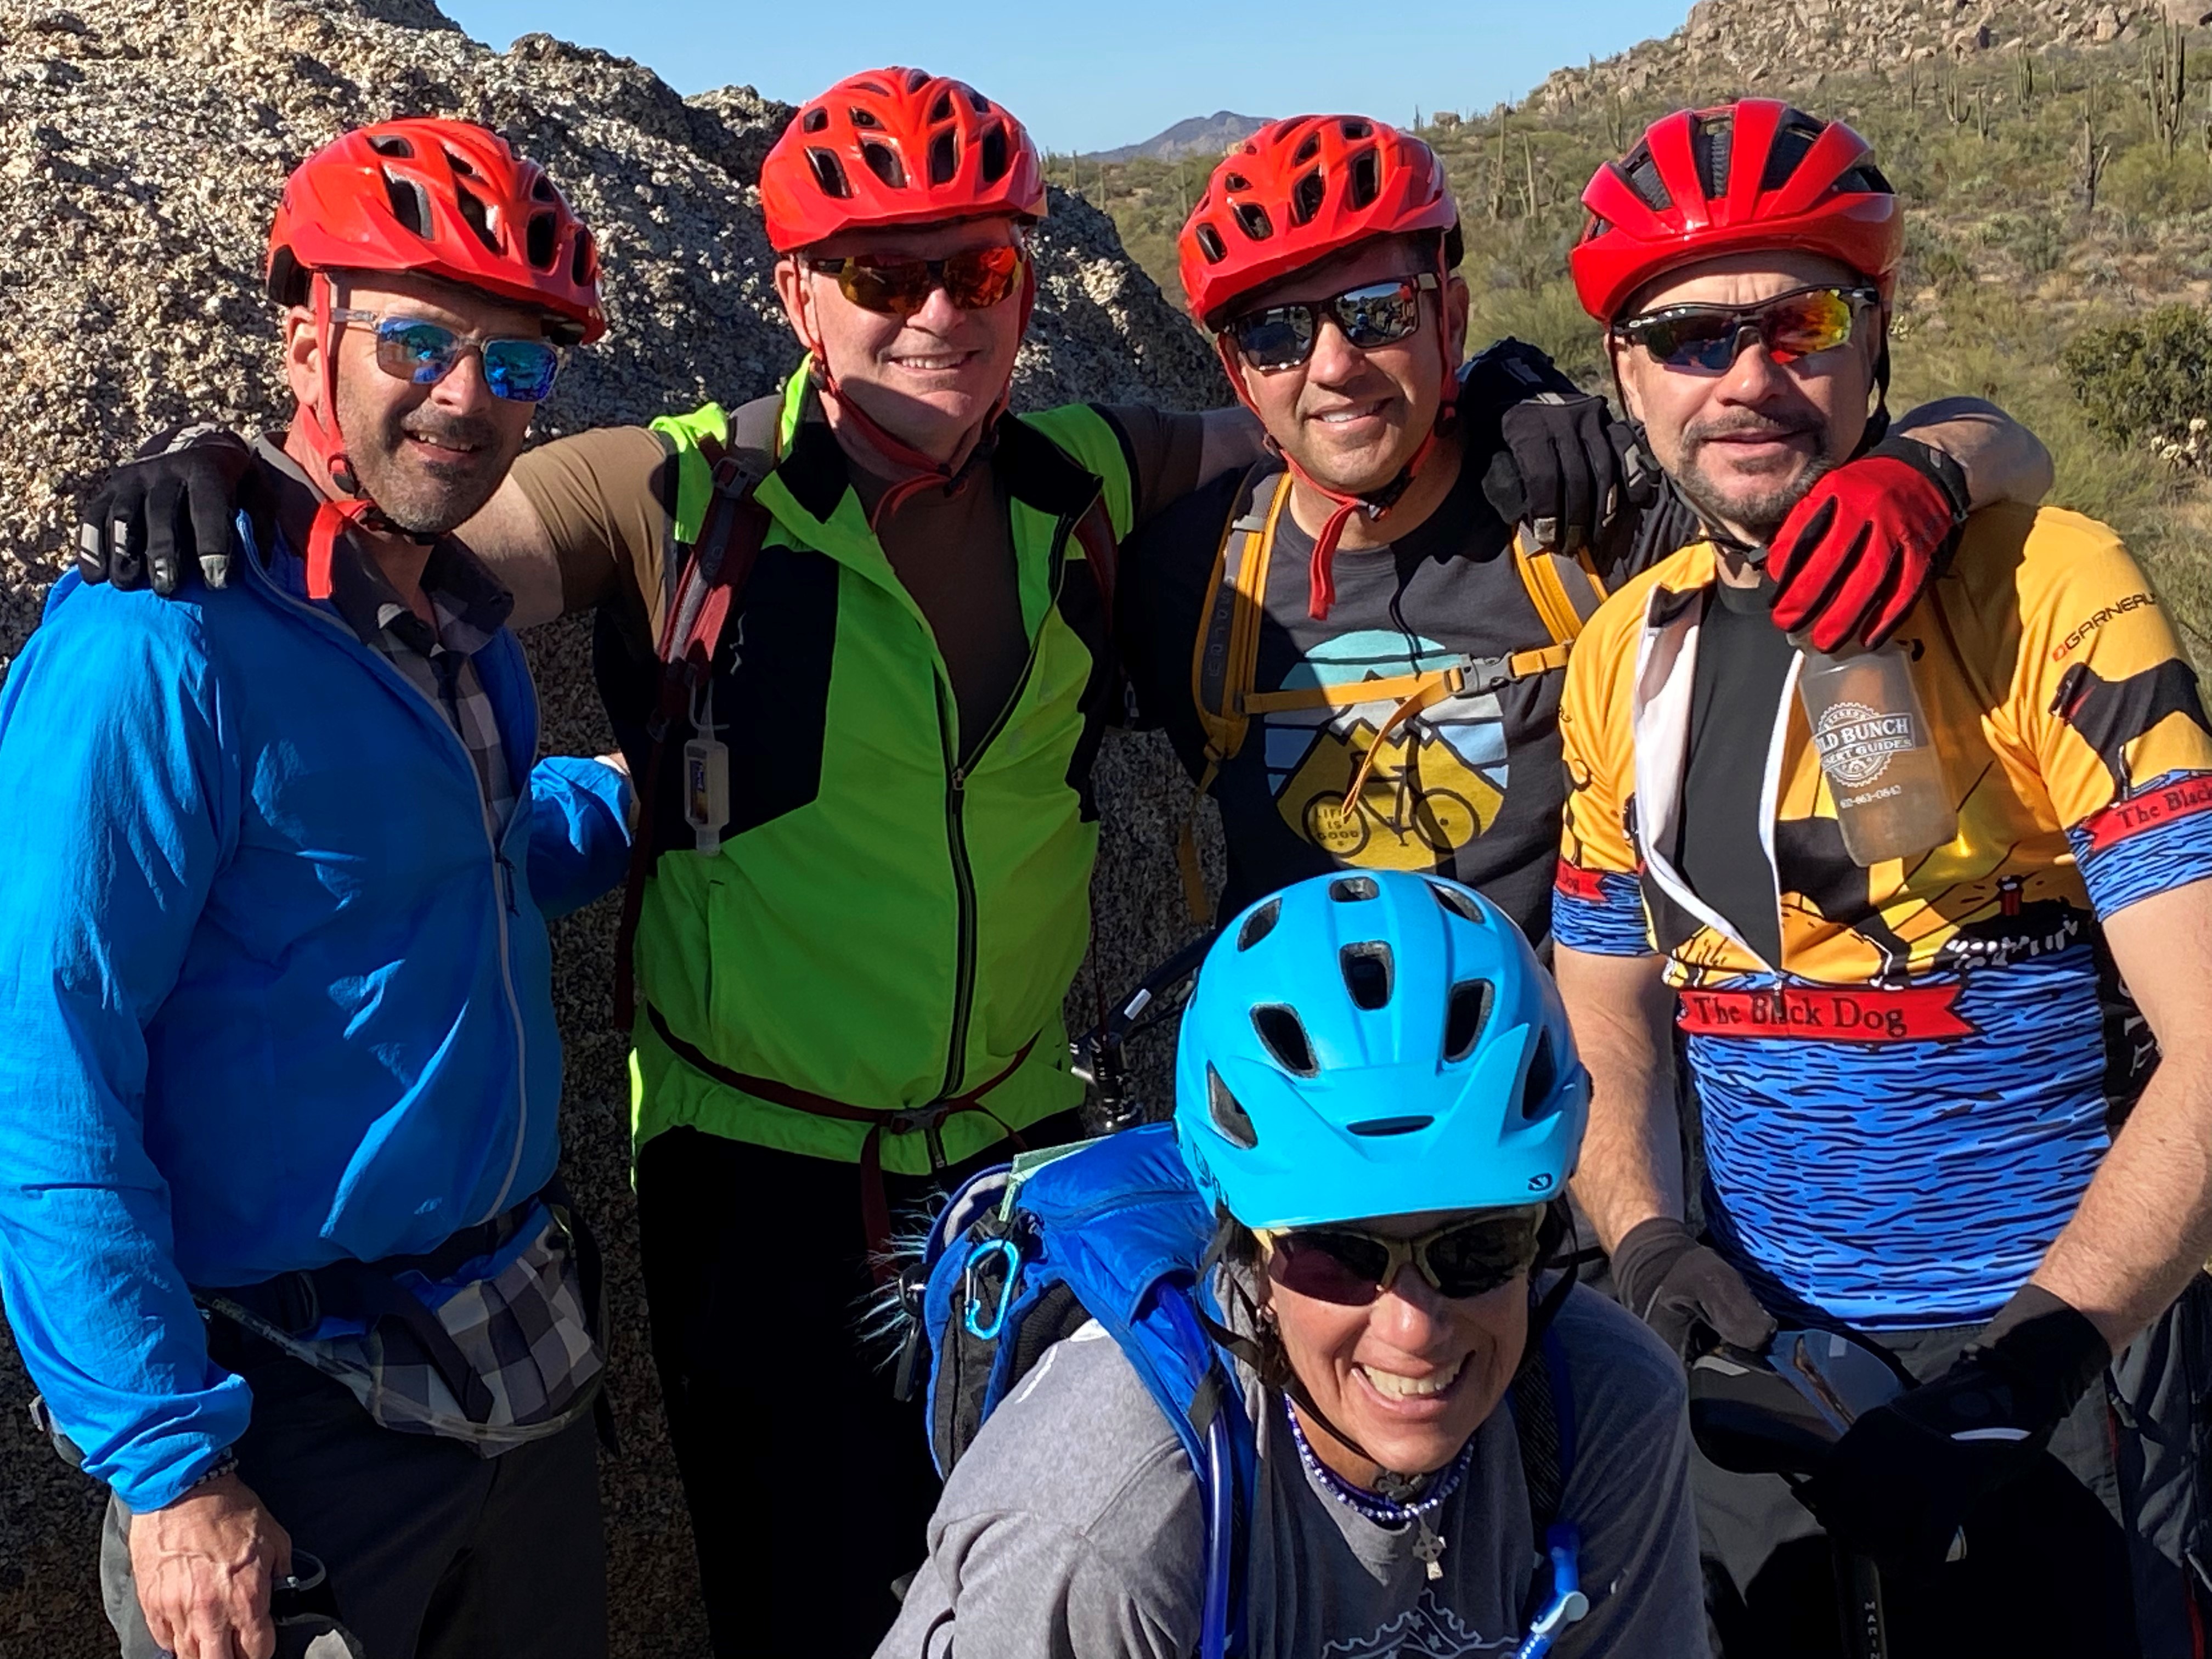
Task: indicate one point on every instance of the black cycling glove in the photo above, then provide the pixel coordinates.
(1563, 466)
(153, 517)
(1900, 1485)
(1684, 1290)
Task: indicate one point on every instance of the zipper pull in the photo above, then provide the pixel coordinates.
(506, 880)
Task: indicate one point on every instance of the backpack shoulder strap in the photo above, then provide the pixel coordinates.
(1226, 656)
(1543, 1419)
(1567, 591)
(709, 585)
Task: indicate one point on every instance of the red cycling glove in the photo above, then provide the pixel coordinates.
(1855, 556)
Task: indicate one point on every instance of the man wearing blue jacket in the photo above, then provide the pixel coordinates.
(278, 1101)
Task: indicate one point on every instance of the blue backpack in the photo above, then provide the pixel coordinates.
(1112, 1230)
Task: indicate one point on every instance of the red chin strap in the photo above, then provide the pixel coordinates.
(922, 472)
(1321, 581)
(335, 515)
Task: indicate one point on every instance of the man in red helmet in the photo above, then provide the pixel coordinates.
(1935, 1127)
(279, 1236)
(1353, 650)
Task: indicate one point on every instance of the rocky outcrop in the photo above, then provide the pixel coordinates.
(142, 144)
(1727, 44)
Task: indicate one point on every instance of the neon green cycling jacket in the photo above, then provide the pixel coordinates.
(882, 926)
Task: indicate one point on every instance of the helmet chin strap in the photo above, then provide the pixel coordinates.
(922, 471)
(1320, 597)
(334, 516)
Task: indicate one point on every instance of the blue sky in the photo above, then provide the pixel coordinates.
(1111, 71)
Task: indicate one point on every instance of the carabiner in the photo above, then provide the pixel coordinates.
(971, 1320)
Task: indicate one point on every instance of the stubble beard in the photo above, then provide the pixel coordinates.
(420, 499)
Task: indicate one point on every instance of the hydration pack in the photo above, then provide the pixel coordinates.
(1025, 1254)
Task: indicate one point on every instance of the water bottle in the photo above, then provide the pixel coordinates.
(1872, 738)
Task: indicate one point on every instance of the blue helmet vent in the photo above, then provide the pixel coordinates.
(1390, 1126)
(1285, 1034)
(1465, 1015)
(1543, 1079)
(1261, 923)
(1367, 974)
(1459, 902)
(1351, 889)
(1231, 1119)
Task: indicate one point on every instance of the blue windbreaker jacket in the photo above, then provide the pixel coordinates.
(272, 995)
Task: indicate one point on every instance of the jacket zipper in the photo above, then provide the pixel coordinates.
(502, 891)
(956, 832)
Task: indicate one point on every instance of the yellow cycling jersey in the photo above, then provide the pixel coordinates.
(1901, 1112)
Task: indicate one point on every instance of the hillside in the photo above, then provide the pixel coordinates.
(142, 146)
(2056, 157)
(1205, 136)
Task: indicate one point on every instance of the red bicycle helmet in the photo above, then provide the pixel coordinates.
(1752, 174)
(896, 147)
(1299, 191)
(426, 198)
(437, 198)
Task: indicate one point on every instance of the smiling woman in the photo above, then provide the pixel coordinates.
(1376, 1089)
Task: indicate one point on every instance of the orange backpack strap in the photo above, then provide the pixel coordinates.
(1567, 591)
(1227, 656)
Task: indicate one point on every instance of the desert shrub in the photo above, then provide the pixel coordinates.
(2149, 184)
(1930, 261)
(2037, 241)
(2146, 379)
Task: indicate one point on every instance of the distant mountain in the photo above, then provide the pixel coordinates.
(1206, 136)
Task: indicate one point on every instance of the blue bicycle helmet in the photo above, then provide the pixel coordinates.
(1374, 1044)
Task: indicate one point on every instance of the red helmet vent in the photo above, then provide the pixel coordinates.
(1366, 185)
(479, 218)
(882, 161)
(410, 203)
(814, 120)
(830, 174)
(996, 156)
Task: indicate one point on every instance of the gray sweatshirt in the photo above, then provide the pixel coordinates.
(1071, 1530)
